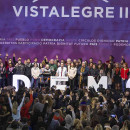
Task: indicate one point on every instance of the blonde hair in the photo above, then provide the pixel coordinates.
(83, 116)
(125, 125)
(49, 99)
(77, 124)
(98, 127)
(60, 112)
(93, 102)
(14, 107)
(4, 108)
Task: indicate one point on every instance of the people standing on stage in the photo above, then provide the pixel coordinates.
(28, 68)
(35, 72)
(124, 76)
(117, 77)
(72, 74)
(101, 72)
(100, 63)
(83, 73)
(41, 72)
(110, 61)
(93, 72)
(35, 61)
(68, 63)
(79, 62)
(2, 75)
(8, 61)
(74, 61)
(46, 74)
(90, 60)
(10, 72)
(91, 65)
(53, 67)
(47, 70)
(61, 71)
(19, 69)
(122, 61)
(109, 74)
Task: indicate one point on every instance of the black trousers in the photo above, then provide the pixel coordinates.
(72, 83)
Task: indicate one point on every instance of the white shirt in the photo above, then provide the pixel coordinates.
(62, 72)
(35, 72)
(72, 72)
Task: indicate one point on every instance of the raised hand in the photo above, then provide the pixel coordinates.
(7, 55)
(57, 57)
(14, 55)
(24, 94)
(122, 57)
(31, 92)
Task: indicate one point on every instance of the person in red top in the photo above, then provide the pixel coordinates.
(26, 106)
(58, 116)
(124, 75)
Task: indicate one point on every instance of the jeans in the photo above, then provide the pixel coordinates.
(2, 82)
(34, 82)
(9, 80)
(123, 84)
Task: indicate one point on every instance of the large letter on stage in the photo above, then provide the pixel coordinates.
(92, 82)
(23, 78)
(128, 83)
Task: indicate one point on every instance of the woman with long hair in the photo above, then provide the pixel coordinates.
(109, 74)
(72, 74)
(35, 72)
(15, 108)
(126, 125)
(94, 72)
(124, 75)
(117, 77)
(98, 127)
(78, 125)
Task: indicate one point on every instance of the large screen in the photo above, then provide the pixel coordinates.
(68, 28)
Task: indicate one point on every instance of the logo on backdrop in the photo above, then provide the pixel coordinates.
(34, 1)
(105, 1)
(74, 12)
(102, 0)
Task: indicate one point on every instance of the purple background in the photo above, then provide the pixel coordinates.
(66, 28)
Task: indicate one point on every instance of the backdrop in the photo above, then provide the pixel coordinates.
(68, 28)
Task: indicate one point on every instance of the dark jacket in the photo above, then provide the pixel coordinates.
(28, 69)
(93, 72)
(2, 72)
(85, 73)
(20, 69)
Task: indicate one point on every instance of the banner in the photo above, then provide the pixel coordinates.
(68, 28)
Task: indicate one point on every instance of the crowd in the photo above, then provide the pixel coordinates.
(76, 108)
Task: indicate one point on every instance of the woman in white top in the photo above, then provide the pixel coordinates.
(72, 74)
(15, 108)
(35, 72)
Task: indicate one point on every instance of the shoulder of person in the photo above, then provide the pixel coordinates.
(59, 67)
